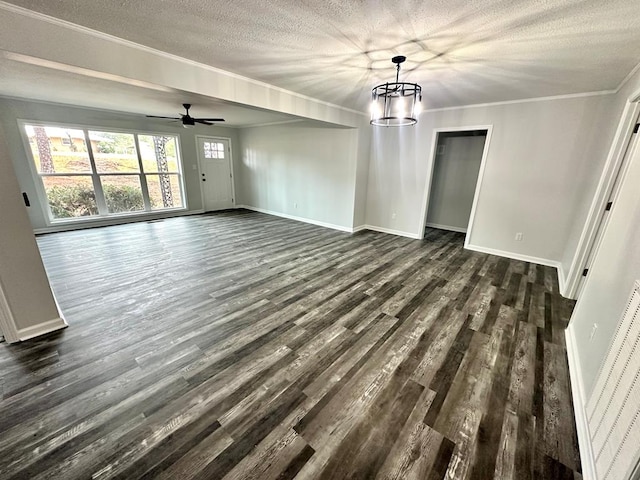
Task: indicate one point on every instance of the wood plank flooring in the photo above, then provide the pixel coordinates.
(238, 345)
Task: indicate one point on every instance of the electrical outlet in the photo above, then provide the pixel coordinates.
(593, 331)
(519, 236)
(295, 204)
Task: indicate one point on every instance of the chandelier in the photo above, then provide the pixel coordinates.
(396, 104)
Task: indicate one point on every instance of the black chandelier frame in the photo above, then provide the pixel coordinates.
(395, 104)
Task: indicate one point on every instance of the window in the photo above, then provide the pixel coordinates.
(162, 170)
(213, 150)
(90, 173)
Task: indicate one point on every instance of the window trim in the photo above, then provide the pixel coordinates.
(43, 201)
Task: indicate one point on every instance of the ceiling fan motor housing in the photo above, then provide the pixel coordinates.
(187, 120)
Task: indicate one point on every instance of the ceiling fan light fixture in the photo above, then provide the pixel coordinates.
(396, 104)
(187, 120)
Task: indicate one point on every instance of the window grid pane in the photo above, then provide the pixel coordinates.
(164, 191)
(114, 152)
(122, 193)
(158, 153)
(213, 150)
(70, 197)
(58, 150)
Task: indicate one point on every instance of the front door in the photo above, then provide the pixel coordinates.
(214, 155)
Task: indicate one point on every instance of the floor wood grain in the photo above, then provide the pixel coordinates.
(239, 345)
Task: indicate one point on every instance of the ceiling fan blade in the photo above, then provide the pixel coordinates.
(212, 119)
(155, 116)
(204, 122)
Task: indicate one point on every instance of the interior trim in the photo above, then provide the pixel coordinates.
(42, 328)
(565, 96)
(579, 402)
(515, 256)
(428, 182)
(615, 158)
(7, 322)
(299, 219)
(446, 227)
(399, 233)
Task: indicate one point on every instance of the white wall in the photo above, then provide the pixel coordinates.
(11, 110)
(614, 269)
(539, 170)
(23, 280)
(299, 171)
(455, 174)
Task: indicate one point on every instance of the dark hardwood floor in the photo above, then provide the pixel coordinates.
(243, 346)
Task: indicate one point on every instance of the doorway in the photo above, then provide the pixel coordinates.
(216, 173)
(457, 163)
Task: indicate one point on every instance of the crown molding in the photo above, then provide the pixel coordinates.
(633, 71)
(526, 100)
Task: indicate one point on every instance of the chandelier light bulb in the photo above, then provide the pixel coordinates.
(401, 107)
(417, 109)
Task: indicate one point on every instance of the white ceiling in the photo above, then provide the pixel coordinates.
(461, 52)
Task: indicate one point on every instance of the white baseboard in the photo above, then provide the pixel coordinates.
(562, 281)
(299, 219)
(109, 221)
(373, 228)
(392, 232)
(331, 225)
(527, 258)
(447, 227)
(42, 328)
(7, 322)
(515, 256)
(579, 403)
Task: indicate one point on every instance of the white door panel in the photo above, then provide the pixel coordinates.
(214, 156)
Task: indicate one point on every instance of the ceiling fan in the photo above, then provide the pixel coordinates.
(187, 120)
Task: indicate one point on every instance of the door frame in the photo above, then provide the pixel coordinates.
(612, 169)
(230, 159)
(476, 194)
(601, 226)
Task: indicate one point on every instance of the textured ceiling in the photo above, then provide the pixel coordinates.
(91, 89)
(461, 52)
